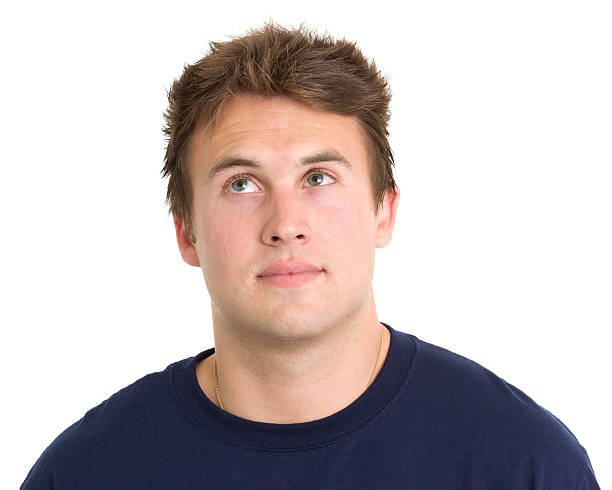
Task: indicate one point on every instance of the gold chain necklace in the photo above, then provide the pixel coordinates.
(369, 382)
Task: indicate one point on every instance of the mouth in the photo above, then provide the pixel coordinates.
(293, 267)
(289, 273)
(290, 279)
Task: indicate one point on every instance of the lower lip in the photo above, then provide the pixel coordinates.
(290, 280)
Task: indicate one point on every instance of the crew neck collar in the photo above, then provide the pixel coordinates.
(305, 435)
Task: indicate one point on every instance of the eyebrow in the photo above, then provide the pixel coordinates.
(323, 156)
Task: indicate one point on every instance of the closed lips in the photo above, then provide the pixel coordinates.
(288, 268)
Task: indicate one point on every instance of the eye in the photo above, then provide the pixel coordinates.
(320, 176)
(238, 183)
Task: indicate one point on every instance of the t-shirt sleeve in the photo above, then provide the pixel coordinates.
(590, 483)
(50, 463)
(38, 478)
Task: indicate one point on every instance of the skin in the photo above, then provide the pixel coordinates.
(286, 355)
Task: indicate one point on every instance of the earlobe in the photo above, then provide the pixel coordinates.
(186, 247)
(386, 218)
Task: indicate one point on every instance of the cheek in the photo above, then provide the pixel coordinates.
(350, 236)
(224, 239)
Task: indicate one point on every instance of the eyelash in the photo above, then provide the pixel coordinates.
(226, 187)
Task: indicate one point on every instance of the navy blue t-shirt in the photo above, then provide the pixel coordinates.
(430, 420)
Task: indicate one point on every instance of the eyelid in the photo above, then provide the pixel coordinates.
(227, 185)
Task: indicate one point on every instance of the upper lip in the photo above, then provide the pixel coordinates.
(290, 267)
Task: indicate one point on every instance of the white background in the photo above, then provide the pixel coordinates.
(501, 129)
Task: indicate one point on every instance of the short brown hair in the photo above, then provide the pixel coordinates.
(323, 73)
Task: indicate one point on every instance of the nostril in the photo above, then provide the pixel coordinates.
(276, 238)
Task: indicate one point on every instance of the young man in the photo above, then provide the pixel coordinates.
(281, 188)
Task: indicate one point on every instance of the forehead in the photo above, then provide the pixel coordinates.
(273, 112)
(276, 129)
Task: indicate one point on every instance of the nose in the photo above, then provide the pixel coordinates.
(286, 223)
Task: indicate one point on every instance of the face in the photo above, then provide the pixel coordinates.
(277, 181)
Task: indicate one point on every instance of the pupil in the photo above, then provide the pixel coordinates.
(240, 187)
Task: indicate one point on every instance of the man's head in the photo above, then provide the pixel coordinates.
(323, 73)
(276, 177)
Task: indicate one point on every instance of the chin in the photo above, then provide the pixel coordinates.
(292, 329)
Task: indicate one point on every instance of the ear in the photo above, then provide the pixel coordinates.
(188, 251)
(385, 219)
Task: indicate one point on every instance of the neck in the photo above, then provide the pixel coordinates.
(291, 382)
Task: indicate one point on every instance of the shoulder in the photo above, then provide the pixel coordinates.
(102, 430)
(494, 417)
(470, 390)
